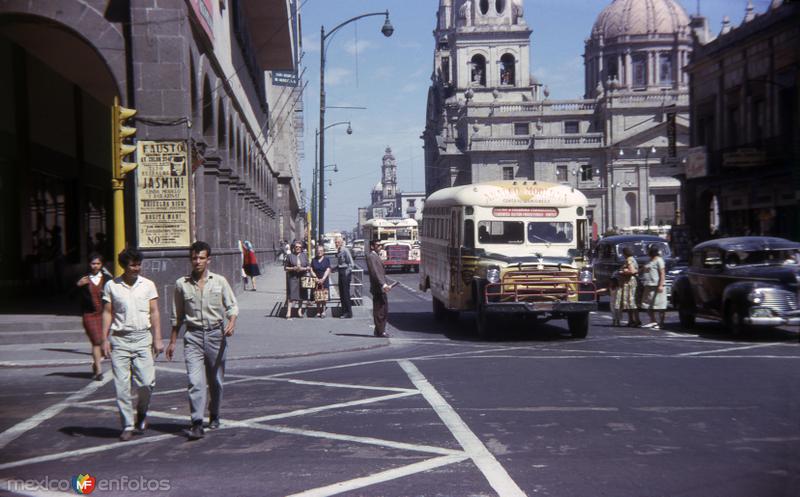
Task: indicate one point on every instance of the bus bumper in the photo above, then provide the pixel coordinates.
(538, 307)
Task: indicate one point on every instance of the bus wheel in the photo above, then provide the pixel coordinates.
(439, 311)
(482, 325)
(578, 325)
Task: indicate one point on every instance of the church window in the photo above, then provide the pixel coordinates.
(508, 173)
(571, 127)
(665, 68)
(507, 69)
(499, 6)
(611, 68)
(484, 6)
(521, 129)
(478, 73)
(446, 70)
(639, 70)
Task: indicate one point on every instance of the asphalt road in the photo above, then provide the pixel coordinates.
(625, 412)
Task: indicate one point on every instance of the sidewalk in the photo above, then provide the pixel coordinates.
(45, 340)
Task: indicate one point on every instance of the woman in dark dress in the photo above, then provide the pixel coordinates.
(321, 267)
(91, 291)
(296, 266)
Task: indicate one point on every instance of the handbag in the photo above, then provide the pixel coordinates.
(321, 295)
(308, 282)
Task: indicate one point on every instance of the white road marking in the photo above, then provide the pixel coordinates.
(350, 438)
(44, 362)
(338, 385)
(731, 349)
(22, 427)
(381, 477)
(494, 472)
(341, 405)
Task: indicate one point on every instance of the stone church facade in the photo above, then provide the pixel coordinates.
(623, 144)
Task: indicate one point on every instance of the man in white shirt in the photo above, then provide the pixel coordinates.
(133, 337)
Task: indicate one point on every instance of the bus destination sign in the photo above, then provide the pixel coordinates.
(525, 212)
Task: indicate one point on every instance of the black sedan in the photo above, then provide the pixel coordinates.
(744, 282)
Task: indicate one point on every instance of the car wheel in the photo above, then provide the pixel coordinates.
(685, 314)
(735, 322)
(578, 325)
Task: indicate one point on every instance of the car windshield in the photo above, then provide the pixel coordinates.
(501, 232)
(555, 232)
(762, 257)
(639, 249)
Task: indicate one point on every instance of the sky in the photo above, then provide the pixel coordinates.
(391, 77)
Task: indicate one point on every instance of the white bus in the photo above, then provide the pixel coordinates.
(400, 239)
(508, 247)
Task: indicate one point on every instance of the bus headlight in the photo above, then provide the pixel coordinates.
(413, 255)
(493, 275)
(585, 276)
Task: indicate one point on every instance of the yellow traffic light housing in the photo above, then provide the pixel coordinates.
(119, 134)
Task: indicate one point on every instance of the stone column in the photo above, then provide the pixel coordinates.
(628, 70)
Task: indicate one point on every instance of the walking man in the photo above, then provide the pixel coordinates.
(203, 300)
(378, 287)
(344, 265)
(132, 339)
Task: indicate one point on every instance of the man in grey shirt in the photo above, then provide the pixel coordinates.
(344, 265)
(203, 300)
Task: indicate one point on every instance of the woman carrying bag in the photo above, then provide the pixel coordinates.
(321, 267)
(297, 279)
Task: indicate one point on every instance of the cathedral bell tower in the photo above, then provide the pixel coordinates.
(389, 170)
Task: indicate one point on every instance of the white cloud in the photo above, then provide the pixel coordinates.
(337, 75)
(311, 43)
(351, 47)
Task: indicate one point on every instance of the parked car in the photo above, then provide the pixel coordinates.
(743, 282)
(608, 257)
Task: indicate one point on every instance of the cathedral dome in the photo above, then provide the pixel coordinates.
(640, 17)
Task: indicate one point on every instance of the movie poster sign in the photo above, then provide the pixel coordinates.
(163, 195)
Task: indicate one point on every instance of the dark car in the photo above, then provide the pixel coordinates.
(745, 281)
(608, 257)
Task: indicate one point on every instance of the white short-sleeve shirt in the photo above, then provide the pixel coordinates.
(130, 304)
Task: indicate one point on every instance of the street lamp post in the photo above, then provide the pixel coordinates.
(316, 169)
(387, 31)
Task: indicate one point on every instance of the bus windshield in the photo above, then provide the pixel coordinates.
(501, 232)
(553, 232)
(404, 234)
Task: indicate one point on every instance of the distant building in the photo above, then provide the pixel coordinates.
(744, 170)
(622, 145)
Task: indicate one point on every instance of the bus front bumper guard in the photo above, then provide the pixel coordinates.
(537, 307)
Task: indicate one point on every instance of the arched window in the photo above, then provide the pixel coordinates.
(499, 6)
(639, 65)
(665, 68)
(612, 72)
(207, 111)
(484, 6)
(507, 73)
(630, 199)
(478, 70)
(221, 134)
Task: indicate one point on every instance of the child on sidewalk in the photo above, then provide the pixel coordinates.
(615, 302)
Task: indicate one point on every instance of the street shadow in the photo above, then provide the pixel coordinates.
(90, 431)
(69, 351)
(80, 376)
(717, 331)
(356, 335)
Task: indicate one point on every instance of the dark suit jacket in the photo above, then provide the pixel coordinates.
(377, 273)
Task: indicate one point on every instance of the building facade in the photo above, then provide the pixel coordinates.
(744, 174)
(622, 145)
(195, 71)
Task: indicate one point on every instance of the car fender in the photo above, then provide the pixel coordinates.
(736, 294)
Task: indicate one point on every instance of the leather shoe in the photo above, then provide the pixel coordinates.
(213, 423)
(196, 433)
(141, 424)
(126, 435)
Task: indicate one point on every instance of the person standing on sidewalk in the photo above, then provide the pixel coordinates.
(654, 298)
(250, 265)
(344, 266)
(378, 287)
(133, 338)
(203, 300)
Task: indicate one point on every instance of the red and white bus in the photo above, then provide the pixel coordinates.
(400, 239)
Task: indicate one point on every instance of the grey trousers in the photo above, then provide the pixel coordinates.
(132, 355)
(204, 351)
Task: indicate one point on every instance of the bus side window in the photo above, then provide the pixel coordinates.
(469, 233)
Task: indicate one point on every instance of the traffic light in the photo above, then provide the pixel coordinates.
(119, 134)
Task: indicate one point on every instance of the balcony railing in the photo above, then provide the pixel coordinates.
(583, 140)
(500, 143)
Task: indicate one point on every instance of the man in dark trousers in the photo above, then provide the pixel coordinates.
(378, 287)
(344, 266)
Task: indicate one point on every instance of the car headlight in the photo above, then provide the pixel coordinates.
(756, 296)
(585, 276)
(493, 275)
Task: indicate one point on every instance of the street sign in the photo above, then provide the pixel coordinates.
(284, 78)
